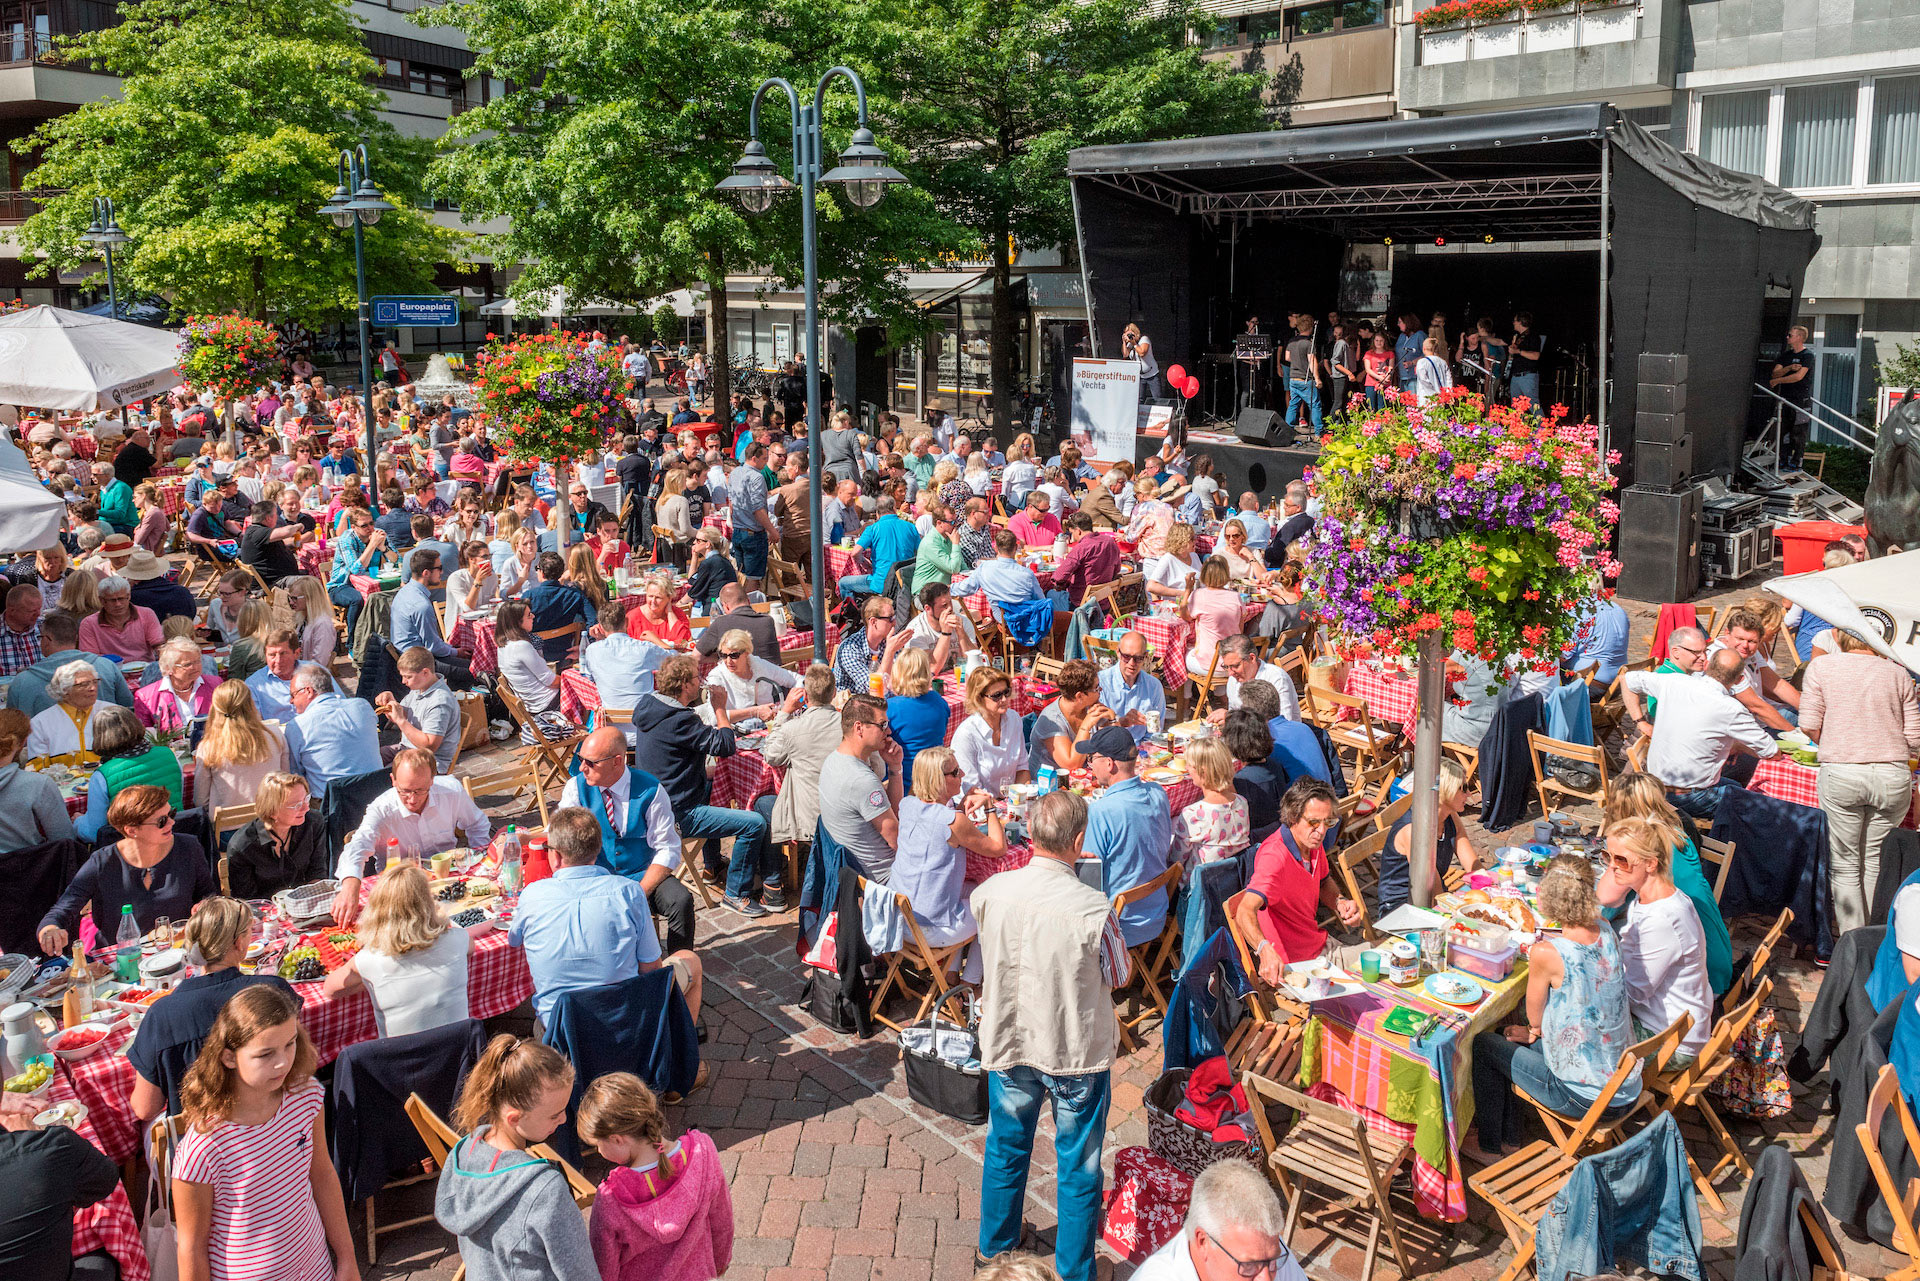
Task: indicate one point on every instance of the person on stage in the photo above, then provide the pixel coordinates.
(1135, 345)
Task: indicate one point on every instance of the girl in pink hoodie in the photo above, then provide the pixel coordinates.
(664, 1213)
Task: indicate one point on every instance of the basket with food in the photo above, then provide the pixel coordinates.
(307, 905)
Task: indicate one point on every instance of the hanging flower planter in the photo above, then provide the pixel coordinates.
(228, 355)
(548, 397)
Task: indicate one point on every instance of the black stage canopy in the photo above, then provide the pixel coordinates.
(1692, 251)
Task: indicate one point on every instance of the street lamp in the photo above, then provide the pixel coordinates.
(357, 203)
(864, 175)
(106, 236)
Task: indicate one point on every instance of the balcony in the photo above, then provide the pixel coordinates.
(1534, 52)
(17, 206)
(24, 48)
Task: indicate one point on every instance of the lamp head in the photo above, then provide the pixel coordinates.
(336, 208)
(754, 181)
(368, 203)
(863, 172)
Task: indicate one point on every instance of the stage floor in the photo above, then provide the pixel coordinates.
(1264, 469)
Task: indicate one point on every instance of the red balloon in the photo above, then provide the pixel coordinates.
(1176, 374)
(1191, 388)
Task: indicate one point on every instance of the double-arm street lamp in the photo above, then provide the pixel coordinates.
(357, 203)
(105, 235)
(863, 173)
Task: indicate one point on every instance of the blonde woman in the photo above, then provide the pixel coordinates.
(1452, 844)
(1169, 573)
(79, 596)
(284, 846)
(313, 614)
(583, 572)
(1638, 794)
(1215, 826)
(916, 712)
(1662, 944)
(990, 744)
(745, 686)
(238, 751)
(1151, 520)
(939, 826)
(670, 513)
(516, 572)
(249, 632)
(411, 961)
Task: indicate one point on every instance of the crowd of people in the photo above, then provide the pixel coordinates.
(113, 669)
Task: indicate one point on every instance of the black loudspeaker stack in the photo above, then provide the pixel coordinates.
(1660, 513)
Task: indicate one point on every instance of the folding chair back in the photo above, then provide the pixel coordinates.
(1539, 747)
(441, 1139)
(1351, 726)
(1520, 1187)
(1263, 1003)
(1687, 1088)
(1359, 866)
(1718, 854)
(1151, 958)
(573, 630)
(519, 778)
(1901, 1202)
(1594, 1129)
(1756, 966)
(547, 756)
(940, 964)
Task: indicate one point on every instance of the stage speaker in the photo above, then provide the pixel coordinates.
(1662, 428)
(1663, 465)
(1661, 398)
(1659, 544)
(1662, 369)
(1256, 425)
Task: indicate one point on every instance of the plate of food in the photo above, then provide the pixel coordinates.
(79, 1041)
(70, 1113)
(1454, 988)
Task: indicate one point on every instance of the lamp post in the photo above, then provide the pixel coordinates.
(357, 203)
(865, 176)
(105, 235)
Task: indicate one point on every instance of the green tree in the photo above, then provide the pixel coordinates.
(220, 150)
(666, 324)
(989, 96)
(621, 117)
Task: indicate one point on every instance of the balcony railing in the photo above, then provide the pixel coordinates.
(17, 206)
(22, 48)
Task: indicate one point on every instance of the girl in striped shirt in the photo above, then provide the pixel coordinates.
(255, 1194)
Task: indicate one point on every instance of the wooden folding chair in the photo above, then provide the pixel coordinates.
(1263, 1002)
(1103, 652)
(574, 630)
(1637, 752)
(936, 962)
(1519, 1187)
(1331, 1146)
(1151, 958)
(1358, 733)
(1539, 747)
(1687, 1087)
(1756, 967)
(1365, 794)
(1359, 868)
(523, 776)
(1270, 1049)
(1048, 668)
(692, 852)
(1718, 854)
(1901, 1202)
(1593, 1128)
(548, 756)
(1203, 687)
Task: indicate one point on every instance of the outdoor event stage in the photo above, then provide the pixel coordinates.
(1188, 237)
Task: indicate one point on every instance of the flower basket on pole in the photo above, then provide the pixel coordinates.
(550, 399)
(1459, 521)
(229, 356)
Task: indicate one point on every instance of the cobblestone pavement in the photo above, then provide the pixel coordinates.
(836, 1176)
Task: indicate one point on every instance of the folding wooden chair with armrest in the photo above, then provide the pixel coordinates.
(1716, 854)
(1331, 1146)
(1539, 747)
(1687, 1088)
(1901, 1202)
(548, 756)
(1151, 958)
(1593, 1128)
(1358, 733)
(521, 777)
(1263, 1002)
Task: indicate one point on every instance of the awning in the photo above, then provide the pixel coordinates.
(1876, 600)
(1056, 289)
(30, 515)
(556, 303)
(58, 359)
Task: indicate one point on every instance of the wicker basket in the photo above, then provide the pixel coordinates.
(307, 904)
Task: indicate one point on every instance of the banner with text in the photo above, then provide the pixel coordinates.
(1106, 408)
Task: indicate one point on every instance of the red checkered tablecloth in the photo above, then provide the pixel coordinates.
(1391, 696)
(173, 495)
(841, 562)
(84, 445)
(1171, 637)
(981, 866)
(476, 635)
(718, 518)
(497, 981)
(743, 778)
(1786, 779)
(106, 1225)
(315, 557)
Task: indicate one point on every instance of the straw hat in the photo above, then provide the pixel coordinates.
(142, 566)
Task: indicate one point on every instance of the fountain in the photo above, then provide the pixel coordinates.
(438, 383)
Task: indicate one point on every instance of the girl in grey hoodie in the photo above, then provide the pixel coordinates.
(512, 1211)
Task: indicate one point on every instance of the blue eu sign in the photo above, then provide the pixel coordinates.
(423, 311)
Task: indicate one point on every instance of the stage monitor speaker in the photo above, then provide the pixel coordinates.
(1663, 466)
(1256, 425)
(1661, 398)
(1662, 429)
(1662, 369)
(1659, 544)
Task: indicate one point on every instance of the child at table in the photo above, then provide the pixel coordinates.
(664, 1213)
(1215, 826)
(512, 1212)
(255, 1194)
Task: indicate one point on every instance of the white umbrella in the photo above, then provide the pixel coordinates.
(1877, 600)
(59, 359)
(29, 514)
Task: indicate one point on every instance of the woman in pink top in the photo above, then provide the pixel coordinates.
(1214, 611)
(1864, 712)
(1151, 519)
(254, 1191)
(121, 629)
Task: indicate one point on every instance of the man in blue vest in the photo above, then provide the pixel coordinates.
(638, 836)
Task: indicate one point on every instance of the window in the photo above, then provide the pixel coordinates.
(1362, 13)
(1816, 140)
(1266, 26)
(1733, 130)
(1316, 21)
(1221, 34)
(1893, 153)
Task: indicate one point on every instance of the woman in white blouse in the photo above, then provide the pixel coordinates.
(1167, 575)
(411, 961)
(989, 745)
(319, 634)
(63, 732)
(746, 686)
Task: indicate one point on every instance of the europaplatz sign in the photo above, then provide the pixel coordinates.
(425, 311)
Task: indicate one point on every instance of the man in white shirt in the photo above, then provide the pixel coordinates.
(1701, 724)
(425, 814)
(1233, 1221)
(1773, 702)
(621, 666)
(1241, 664)
(941, 628)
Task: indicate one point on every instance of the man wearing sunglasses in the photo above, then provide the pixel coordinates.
(1134, 693)
(1686, 653)
(1290, 885)
(1232, 1231)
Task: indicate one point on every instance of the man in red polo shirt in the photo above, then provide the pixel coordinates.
(1290, 884)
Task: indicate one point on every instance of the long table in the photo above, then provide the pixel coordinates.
(1786, 779)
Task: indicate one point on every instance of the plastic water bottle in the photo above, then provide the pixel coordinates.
(395, 855)
(126, 941)
(510, 861)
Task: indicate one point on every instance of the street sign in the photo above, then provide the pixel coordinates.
(428, 311)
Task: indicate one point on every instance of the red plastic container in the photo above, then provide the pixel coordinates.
(1800, 546)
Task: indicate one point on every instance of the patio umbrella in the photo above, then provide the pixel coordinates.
(1877, 600)
(57, 359)
(29, 514)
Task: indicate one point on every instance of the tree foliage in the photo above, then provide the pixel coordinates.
(987, 98)
(621, 118)
(218, 154)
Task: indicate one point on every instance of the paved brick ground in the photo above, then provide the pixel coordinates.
(837, 1177)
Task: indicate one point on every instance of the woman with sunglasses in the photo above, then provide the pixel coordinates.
(990, 744)
(1662, 944)
(1638, 794)
(940, 824)
(1241, 563)
(152, 869)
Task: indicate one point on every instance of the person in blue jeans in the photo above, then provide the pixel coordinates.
(1577, 1021)
(1051, 955)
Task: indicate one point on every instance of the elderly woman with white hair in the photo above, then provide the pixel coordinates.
(63, 733)
(121, 629)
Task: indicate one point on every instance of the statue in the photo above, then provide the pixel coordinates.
(1893, 492)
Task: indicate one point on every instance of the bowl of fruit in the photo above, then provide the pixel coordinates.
(450, 890)
(78, 1041)
(302, 965)
(33, 1081)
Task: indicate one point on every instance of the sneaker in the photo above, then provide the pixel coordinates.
(745, 906)
(773, 898)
